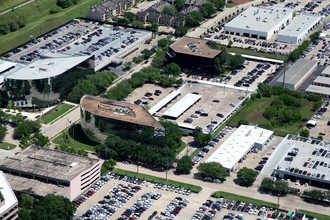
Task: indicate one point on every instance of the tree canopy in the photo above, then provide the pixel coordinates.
(171, 69)
(200, 138)
(26, 128)
(50, 207)
(66, 3)
(169, 10)
(279, 188)
(3, 132)
(207, 9)
(184, 165)
(179, 5)
(246, 176)
(212, 170)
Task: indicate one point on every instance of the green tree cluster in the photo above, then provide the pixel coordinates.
(200, 138)
(278, 188)
(14, 24)
(304, 133)
(147, 53)
(3, 132)
(169, 10)
(207, 9)
(107, 166)
(130, 16)
(212, 170)
(171, 69)
(317, 196)
(71, 150)
(50, 207)
(40, 140)
(66, 3)
(179, 5)
(92, 85)
(313, 37)
(246, 176)
(136, 145)
(26, 128)
(184, 165)
(295, 54)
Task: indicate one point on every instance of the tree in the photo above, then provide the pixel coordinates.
(146, 53)
(194, 18)
(158, 59)
(53, 207)
(66, 3)
(179, 5)
(270, 112)
(180, 31)
(26, 201)
(218, 4)
(40, 140)
(246, 176)
(123, 21)
(3, 132)
(267, 185)
(184, 165)
(236, 61)
(212, 170)
(169, 10)
(108, 165)
(242, 122)
(130, 16)
(163, 43)
(304, 133)
(138, 24)
(26, 128)
(280, 188)
(200, 138)
(207, 9)
(171, 69)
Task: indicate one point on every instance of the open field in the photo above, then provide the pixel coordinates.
(7, 146)
(253, 114)
(40, 21)
(76, 139)
(315, 215)
(8, 4)
(155, 179)
(255, 53)
(235, 197)
(56, 113)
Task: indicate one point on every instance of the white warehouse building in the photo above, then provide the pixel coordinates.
(239, 144)
(259, 22)
(298, 29)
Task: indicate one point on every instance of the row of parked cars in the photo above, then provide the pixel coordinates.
(173, 208)
(204, 150)
(251, 76)
(207, 211)
(140, 206)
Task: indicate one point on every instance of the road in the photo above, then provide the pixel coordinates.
(290, 202)
(16, 7)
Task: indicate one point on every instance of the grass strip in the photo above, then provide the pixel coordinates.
(76, 138)
(181, 148)
(154, 179)
(56, 113)
(10, 4)
(244, 51)
(195, 152)
(7, 146)
(235, 197)
(318, 216)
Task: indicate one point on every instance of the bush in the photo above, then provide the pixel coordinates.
(246, 176)
(278, 188)
(184, 165)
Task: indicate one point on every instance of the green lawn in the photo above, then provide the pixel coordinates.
(253, 113)
(7, 146)
(255, 53)
(182, 146)
(315, 215)
(39, 21)
(8, 4)
(231, 196)
(77, 139)
(56, 113)
(154, 179)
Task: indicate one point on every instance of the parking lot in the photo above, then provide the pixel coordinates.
(322, 128)
(122, 197)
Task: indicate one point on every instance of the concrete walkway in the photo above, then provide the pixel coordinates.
(16, 7)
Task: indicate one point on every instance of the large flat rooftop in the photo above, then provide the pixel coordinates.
(318, 89)
(239, 144)
(117, 110)
(312, 160)
(260, 19)
(299, 70)
(7, 194)
(299, 25)
(194, 47)
(48, 163)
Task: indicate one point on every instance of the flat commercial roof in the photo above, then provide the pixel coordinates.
(326, 71)
(7, 193)
(260, 19)
(318, 89)
(298, 71)
(305, 148)
(299, 25)
(48, 163)
(47, 67)
(117, 110)
(239, 144)
(5, 65)
(194, 47)
(164, 101)
(322, 79)
(182, 105)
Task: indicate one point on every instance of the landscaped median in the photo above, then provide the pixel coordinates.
(315, 215)
(230, 196)
(56, 113)
(154, 179)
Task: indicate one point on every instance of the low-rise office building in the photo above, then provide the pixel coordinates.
(259, 22)
(8, 200)
(305, 160)
(41, 171)
(321, 85)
